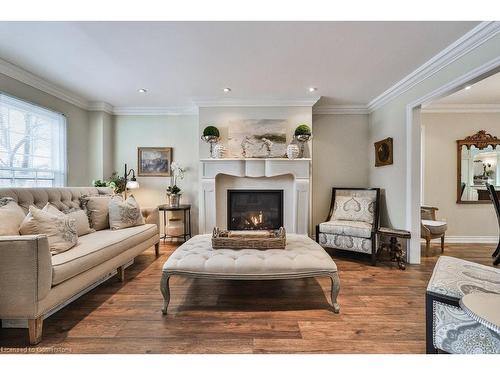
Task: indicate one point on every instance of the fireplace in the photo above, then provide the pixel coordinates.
(254, 209)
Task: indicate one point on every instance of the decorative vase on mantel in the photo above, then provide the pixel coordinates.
(292, 151)
(174, 199)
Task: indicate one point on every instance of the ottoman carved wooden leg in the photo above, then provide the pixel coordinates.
(165, 291)
(335, 291)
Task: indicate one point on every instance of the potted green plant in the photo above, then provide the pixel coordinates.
(302, 135)
(211, 135)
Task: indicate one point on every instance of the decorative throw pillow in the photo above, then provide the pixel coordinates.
(80, 216)
(60, 229)
(354, 209)
(28, 225)
(11, 217)
(97, 210)
(124, 214)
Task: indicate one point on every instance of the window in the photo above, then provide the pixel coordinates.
(32, 145)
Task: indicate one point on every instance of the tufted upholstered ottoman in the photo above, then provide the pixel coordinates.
(302, 257)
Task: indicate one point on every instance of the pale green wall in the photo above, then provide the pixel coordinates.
(77, 126)
(178, 132)
(101, 143)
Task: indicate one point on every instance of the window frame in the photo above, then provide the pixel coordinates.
(61, 174)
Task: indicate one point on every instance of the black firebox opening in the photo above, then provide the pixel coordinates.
(254, 209)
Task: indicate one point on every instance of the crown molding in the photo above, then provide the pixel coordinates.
(101, 106)
(461, 108)
(255, 102)
(154, 111)
(39, 83)
(360, 109)
(468, 42)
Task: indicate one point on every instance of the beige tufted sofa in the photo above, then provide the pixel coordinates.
(33, 283)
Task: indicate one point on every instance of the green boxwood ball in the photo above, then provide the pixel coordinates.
(303, 129)
(211, 130)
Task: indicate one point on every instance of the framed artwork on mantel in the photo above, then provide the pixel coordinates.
(263, 138)
(154, 161)
(383, 152)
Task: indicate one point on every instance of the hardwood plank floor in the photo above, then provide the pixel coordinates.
(382, 311)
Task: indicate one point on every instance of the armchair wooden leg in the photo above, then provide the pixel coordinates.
(427, 245)
(120, 272)
(157, 249)
(35, 330)
(442, 243)
(497, 251)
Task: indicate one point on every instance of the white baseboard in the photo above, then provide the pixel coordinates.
(467, 239)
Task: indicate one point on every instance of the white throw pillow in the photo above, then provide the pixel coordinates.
(59, 228)
(124, 214)
(354, 209)
(11, 217)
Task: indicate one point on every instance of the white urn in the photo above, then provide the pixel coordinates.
(292, 151)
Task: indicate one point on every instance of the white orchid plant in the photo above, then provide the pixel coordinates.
(177, 174)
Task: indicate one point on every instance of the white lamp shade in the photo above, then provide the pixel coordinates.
(132, 185)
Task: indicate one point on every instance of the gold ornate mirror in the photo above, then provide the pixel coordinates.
(478, 163)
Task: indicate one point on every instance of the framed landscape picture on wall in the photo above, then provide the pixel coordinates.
(154, 161)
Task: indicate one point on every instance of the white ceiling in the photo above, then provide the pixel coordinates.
(178, 62)
(486, 91)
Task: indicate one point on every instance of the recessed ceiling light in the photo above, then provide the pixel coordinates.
(312, 89)
(227, 89)
(468, 87)
(142, 91)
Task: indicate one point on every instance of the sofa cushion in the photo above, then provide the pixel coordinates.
(97, 210)
(59, 229)
(80, 217)
(124, 214)
(354, 208)
(453, 277)
(347, 228)
(95, 248)
(434, 226)
(11, 217)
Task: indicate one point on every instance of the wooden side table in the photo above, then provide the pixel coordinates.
(186, 211)
(394, 247)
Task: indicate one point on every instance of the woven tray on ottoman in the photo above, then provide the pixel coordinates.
(301, 258)
(248, 239)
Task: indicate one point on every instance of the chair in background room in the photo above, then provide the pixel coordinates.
(430, 227)
(352, 222)
(496, 204)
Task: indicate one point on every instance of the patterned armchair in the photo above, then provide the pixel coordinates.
(448, 327)
(352, 222)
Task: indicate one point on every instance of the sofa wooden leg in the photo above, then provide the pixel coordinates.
(35, 330)
(442, 243)
(157, 249)
(120, 272)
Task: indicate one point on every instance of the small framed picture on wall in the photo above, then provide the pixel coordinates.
(383, 152)
(154, 161)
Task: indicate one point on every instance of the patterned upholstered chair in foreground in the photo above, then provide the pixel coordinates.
(352, 222)
(449, 328)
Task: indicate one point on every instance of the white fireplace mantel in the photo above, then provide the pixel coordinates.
(300, 169)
